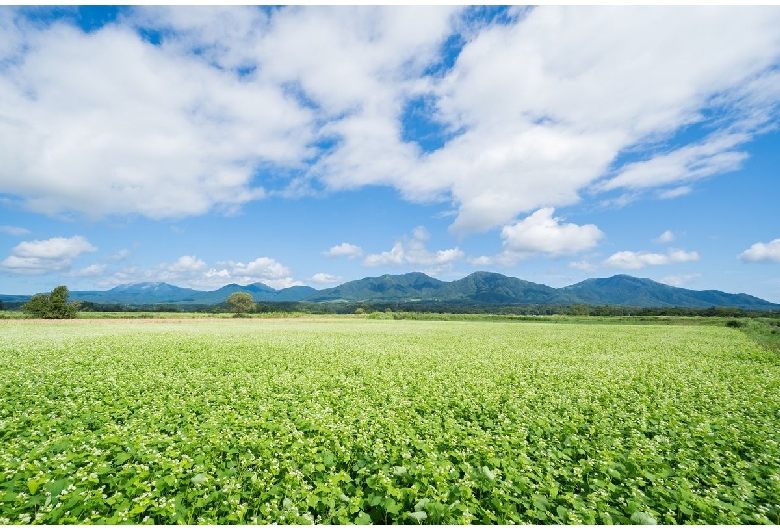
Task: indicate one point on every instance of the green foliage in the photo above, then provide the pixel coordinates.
(356, 420)
(240, 303)
(52, 305)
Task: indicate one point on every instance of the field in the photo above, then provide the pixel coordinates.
(340, 421)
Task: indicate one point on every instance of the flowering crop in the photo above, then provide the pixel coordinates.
(243, 421)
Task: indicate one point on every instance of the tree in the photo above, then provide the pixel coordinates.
(52, 305)
(240, 303)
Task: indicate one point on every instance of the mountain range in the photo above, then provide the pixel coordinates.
(474, 289)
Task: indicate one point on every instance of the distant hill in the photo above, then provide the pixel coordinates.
(475, 289)
(165, 293)
(387, 288)
(494, 288)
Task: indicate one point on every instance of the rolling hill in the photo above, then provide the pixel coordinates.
(475, 289)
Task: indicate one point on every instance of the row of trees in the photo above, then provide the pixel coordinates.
(56, 305)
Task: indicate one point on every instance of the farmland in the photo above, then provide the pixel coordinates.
(357, 420)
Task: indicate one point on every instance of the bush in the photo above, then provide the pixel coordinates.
(734, 324)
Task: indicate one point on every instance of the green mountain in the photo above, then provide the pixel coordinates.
(406, 287)
(475, 289)
(164, 293)
(642, 292)
(493, 288)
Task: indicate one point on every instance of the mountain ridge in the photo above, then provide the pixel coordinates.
(477, 288)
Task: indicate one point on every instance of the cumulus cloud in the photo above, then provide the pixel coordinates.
(767, 252)
(236, 102)
(186, 264)
(106, 123)
(325, 278)
(541, 233)
(45, 256)
(546, 104)
(636, 260)
(667, 237)
(14, 230)
(412, 251)
(345, 249)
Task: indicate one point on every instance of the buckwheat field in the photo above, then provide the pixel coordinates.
(359, 421)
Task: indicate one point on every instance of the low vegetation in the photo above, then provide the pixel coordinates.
(362, 420)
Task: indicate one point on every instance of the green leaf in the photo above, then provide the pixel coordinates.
(419, 516)
(33, 486)
(199, 479)
(399, 470)
(363, 518)
(421, 504)
(642, 518)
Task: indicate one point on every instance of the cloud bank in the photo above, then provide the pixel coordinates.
(237, 104)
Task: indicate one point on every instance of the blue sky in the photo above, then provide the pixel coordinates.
(203, 146)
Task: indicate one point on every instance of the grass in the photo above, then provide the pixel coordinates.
(360, 420)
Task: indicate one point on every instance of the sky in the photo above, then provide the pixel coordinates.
(201, 146)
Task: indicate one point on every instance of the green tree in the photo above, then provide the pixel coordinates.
(52, 305)
(240, 303)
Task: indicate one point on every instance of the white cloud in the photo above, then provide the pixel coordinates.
(106, 123)
(91, 271)
(412, 251)
(541, 233)
(547, 104)
(345, 249)
(322, 277)
(394, 256)
(768, 252)
(584, 265)
(481, 260)
(186, 264)
(191, 271)
(538, 109)
(667, 237)
(636, 260)
(14, 230)
(679, 280)
(45, 256)
(675, 192)
(714, 155)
